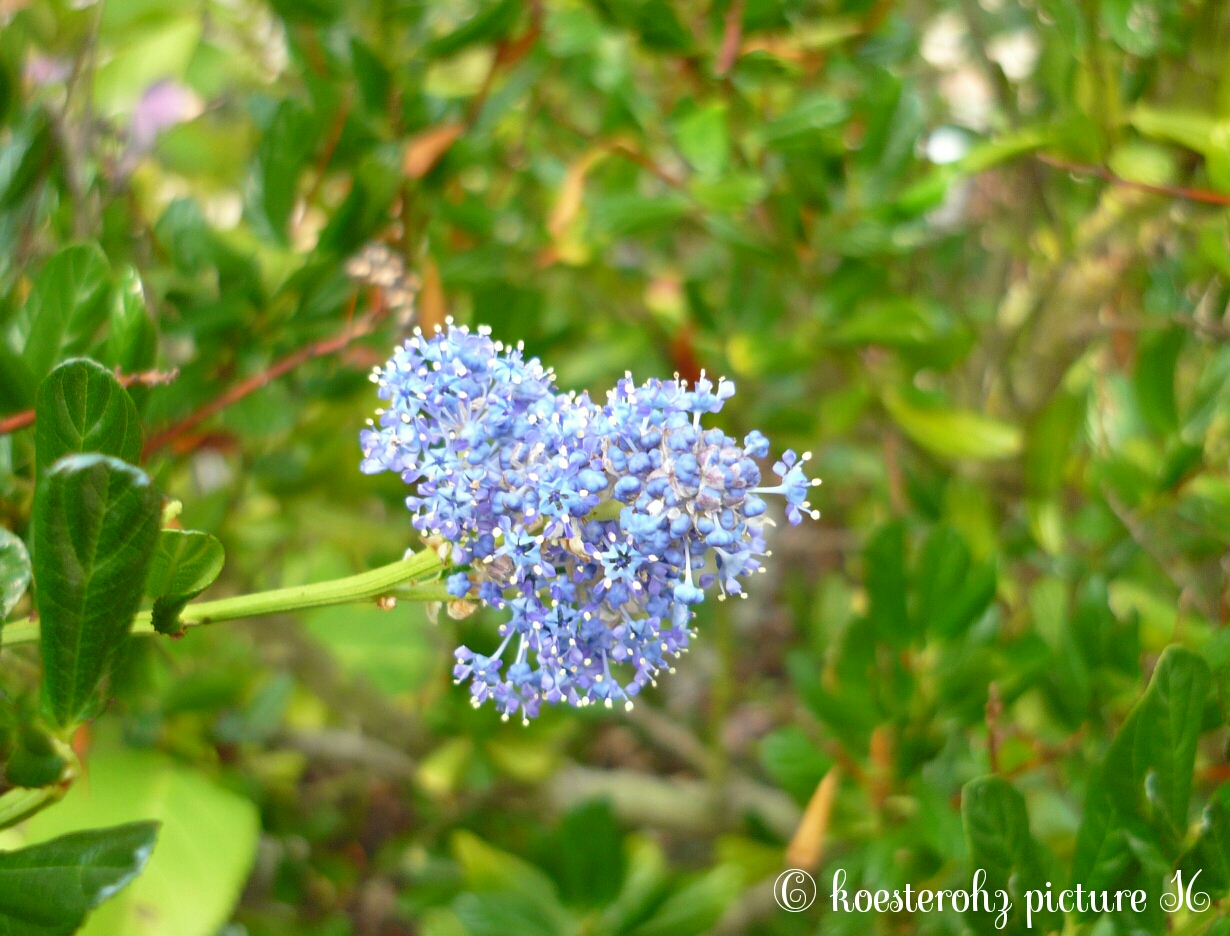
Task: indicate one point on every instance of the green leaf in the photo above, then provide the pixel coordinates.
(204, 852)
(886, 584)
(82, 408)
(95, 528)
(1158, 742)
(132, 340)
(185, 563)
(952, 592)
(1187, 128)
(704, 140)
(1000, 843)
(1210, 853)
(14, 572)
(660, 27)
(47, 889)
(953, 433)
(586, 855)
(1050, 443)
(66, 306)
(391, 649)
(695, 908)
(793, 761)
(643, 885)
(1155, 372)
(26, 158)
(284, 148)
(492, 23)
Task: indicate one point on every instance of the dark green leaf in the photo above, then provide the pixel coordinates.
(47, 889)
(1155, 371)
(886, 584)
(95, 529)
(14, 571)
(26, 158)
(185, 563)
(1000, 843)
(82, 408)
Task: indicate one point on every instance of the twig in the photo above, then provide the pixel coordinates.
(1101, 172)
(672, 737)
(994, 709)
(732, 37)
(151, 378)
(326, 155)
(360, 327)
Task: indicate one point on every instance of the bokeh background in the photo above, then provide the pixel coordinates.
(973, 254)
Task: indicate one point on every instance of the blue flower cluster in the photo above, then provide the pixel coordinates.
(596, 527)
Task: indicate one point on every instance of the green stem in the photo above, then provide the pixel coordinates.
(397, 578)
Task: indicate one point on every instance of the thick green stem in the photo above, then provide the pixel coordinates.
(399, 579)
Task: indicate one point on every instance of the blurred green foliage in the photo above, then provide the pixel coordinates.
(974, 254)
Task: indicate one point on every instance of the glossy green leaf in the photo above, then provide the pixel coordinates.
(95, 528)
(14, 571)
(82, 408)
(1185, 127)
(204, 853)
(185, 563)
(1000, 843)
(48, 889)
(954, 433)
(66, 306)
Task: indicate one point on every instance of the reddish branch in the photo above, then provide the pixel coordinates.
(732, 36)
(1174, 191)
(355, 329)
(145, 378)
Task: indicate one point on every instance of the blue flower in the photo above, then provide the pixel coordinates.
(598, 528)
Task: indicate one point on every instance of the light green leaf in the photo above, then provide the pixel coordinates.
(391, 649)
(185, 563)
(95, 528)
(82, 408)
(152, 54)
(953, 433)
(704, 140)
(47, 889)
(697, 907)
(1187, 128)
(204, 852)
(14, 571)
